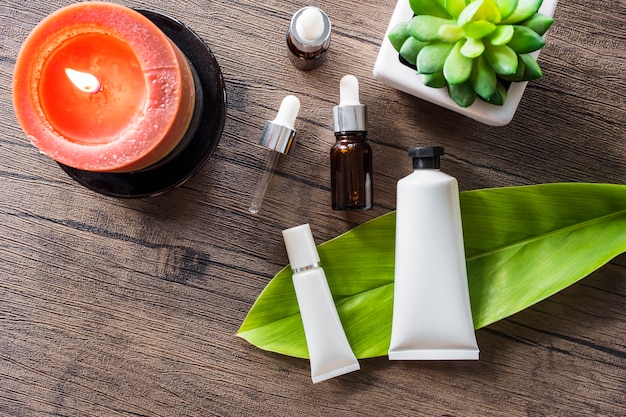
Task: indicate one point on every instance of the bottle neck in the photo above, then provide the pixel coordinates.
(425, 163)
(353, 136)
(350, 118)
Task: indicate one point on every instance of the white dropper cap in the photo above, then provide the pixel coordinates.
(278, 134)
(310, 24)
(350, 115)
(349, 91)
(301, 248)
(288, 112)
(309, 32)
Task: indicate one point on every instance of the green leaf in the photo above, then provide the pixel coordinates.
(501, 35)
(432, 57)
(463, 94)
(480, 10)
(454, 7)
(457, 67)
(525, 40)
(473, 48)
(502, 59)
(507, 7)
(436, 80)
(539, 23)
(426, 28)
(450, 33)
(483, 78)
(523, 10)
(527, 69)
(410, 49)
(398, 35)
(519, 72)
(531, 68)
(522, 245)
(429, 7)
(478, 29)
(498, 97)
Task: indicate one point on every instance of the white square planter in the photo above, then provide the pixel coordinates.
(390, 71)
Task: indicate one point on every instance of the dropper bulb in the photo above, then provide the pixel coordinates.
(349, 91)
(310, 24)
(288, 112)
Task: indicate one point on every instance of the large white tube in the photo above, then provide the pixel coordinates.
(432, 318)
(329, 351)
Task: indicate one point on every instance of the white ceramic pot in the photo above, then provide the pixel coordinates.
(390, 71)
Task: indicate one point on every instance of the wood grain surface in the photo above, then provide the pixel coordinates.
(113, 307)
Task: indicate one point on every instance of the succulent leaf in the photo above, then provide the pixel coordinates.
(473, 48)
(410, 49)
(502, 59)
(457, 67)
(398, 35)
(507, 7)
(436, 80)
(523, 10)
(539, 23)
(454, 7)
(519, 73)
(451, 33)
(478, 29)
(483, 78)
(426, 28)
(498, 97)
(429, 7)
(431, 58)
(502, 35)
(525, 40)
(462, 94)
(480, 10)
(531, 68)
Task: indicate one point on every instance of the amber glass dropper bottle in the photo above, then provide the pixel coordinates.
(308, 38)
(351, 156)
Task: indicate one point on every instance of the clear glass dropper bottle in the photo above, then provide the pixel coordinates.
(351, 156)
(277, 136)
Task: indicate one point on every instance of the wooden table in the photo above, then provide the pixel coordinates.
(117, 307)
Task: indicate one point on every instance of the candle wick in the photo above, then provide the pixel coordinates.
(84, 81)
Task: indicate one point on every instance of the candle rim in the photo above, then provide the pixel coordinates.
(155, 52)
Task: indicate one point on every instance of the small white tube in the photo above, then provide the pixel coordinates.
(330, 353)
(432, 318)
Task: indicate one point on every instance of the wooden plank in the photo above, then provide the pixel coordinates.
(115, 307)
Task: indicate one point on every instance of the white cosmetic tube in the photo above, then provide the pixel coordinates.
(329, 351)
(432, 318)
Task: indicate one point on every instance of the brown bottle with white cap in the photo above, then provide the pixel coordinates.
(308, 38)
(351, 155)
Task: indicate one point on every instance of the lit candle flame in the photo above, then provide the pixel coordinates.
(83, 81)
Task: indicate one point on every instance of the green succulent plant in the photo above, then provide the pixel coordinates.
(475, 48)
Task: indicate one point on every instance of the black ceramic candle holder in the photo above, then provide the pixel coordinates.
(200, 140)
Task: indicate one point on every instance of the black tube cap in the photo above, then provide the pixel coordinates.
(426, 157)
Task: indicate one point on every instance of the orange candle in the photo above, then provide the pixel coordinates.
(99, 87)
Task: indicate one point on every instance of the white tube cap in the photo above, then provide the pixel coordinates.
(301, 248)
